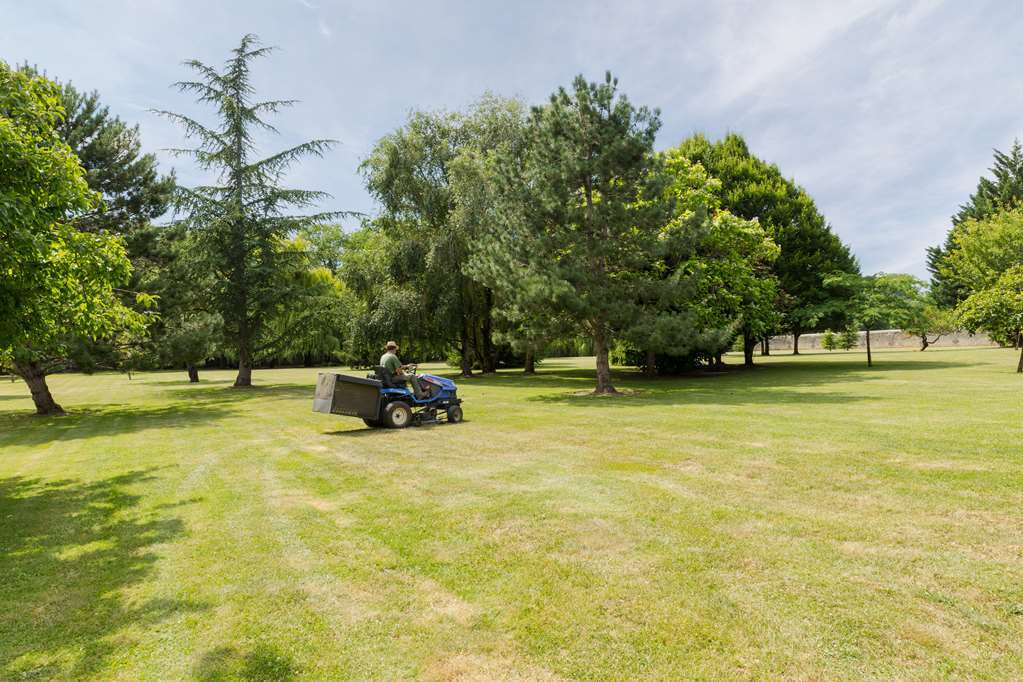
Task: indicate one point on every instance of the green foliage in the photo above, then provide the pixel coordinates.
(849, 338)
(997, 309)
(324, 244)
(829, 341)
(930, 323)
(132, 194)
(242, 221)
(1003, 191)
(56, 283)
(984, 249)
(312, 323)
(431, 177)
(882, 300)
(808, 250)
(709, 273)
(132, 191)
(383, 306)
(571, 240)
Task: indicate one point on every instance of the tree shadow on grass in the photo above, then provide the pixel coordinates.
(225, 394)
(263, 662)
(191, 406)
(776, 383)
(67, 550)
(25, 428)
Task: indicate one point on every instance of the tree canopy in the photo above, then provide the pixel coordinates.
(1000, 192)
(808, 250)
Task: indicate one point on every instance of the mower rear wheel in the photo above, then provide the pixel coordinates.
(397, 415)
(454, 414)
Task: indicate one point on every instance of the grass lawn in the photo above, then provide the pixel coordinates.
(811, 519)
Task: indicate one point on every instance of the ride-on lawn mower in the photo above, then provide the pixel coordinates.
(380, 401)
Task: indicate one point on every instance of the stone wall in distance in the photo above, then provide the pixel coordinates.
(887, 338)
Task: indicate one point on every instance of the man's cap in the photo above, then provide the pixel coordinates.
(391, 345)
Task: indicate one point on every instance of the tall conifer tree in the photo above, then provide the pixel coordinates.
(242, 220)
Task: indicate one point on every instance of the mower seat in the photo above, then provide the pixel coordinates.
(384, 377)
(390, 381)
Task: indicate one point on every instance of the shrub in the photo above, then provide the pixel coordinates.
(849, 339)
(829, 341)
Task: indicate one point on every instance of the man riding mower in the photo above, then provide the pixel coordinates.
(381, 399)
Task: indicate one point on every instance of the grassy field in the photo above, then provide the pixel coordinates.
(811, 519)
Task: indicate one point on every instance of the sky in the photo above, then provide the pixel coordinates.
(885, 111)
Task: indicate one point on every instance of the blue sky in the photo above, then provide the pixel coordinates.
(885, 111)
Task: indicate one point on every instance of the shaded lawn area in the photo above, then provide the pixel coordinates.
(809, 519)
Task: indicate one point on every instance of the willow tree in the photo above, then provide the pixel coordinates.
(243, 219)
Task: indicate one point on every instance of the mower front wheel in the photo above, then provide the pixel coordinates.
(397, 415)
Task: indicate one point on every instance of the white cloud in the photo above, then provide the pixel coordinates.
(885, 111)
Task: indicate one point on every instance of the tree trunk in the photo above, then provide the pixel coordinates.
(244, 378)
(748, 345)
(604, 386)
(193, 373)
(530, 366)
(870, 358)
(36, 380)
(719, 360)
(795, 343)
(651, 364)
(765, 346)
(924, 343)
(463, 350)
(1019, 367)
(489, 361)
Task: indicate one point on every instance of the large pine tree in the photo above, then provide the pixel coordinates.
(572, 243)
(242, 220)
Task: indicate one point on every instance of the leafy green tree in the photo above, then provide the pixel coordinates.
(571, 240)
(325, 245)
(997, 309)
(190, 329)
(132, 195)
(710, 273)
(383, 306)
(984, 249)
(56, 283)
(1002, 191)
(881, 300)
(809, 251)
(310, 325)
(929, 323)
(242, 220)
(430, 176)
